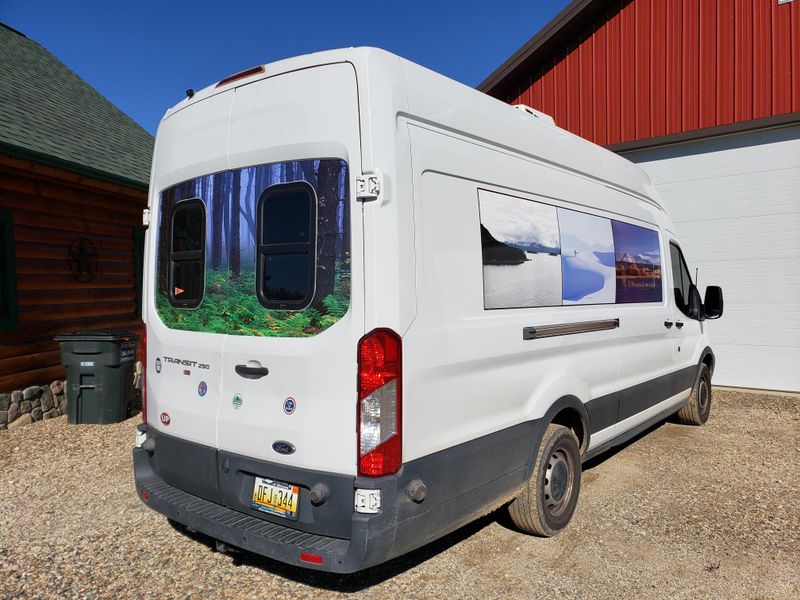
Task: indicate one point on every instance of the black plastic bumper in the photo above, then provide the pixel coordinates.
(263, 537)
(207, 490)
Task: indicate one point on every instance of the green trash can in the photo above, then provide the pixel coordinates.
(100, 367)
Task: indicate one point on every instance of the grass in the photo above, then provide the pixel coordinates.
(230, 306)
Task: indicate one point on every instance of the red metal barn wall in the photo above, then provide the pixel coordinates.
(648, 68)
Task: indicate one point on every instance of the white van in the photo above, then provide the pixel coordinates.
(381, 304)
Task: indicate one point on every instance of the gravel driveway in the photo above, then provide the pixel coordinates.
(681, 512)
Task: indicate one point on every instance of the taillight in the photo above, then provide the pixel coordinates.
(144, 376)
(380, 446)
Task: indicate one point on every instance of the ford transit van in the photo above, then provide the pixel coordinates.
(381, 304)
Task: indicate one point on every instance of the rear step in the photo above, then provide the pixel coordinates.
(231, 527)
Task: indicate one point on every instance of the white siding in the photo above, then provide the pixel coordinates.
(735, 201)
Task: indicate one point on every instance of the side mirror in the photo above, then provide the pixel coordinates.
(695, 307)
(712, 307)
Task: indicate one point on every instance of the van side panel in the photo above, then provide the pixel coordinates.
(470, 373)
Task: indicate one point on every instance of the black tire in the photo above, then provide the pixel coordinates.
(547, 503)
(698, 407)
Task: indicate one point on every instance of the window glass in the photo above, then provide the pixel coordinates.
(3, 260)
(681, 280)
(637, 255)
(285, 277)
(187, 228)
(187, 258)
(286, 219)
(187, 281)
(8, 280)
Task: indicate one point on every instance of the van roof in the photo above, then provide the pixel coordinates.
(446, 103)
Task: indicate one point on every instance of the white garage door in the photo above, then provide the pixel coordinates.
(735, 201)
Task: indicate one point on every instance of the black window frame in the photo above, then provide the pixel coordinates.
(187, 255)
(682, 306)
(9, 317)
(263, 250)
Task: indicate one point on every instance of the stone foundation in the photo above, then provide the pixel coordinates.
(23, 407)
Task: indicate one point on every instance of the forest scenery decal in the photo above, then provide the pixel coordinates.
(535, 254)
(274, 259)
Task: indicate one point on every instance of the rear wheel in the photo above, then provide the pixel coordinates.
(698, 408)
(548, 501)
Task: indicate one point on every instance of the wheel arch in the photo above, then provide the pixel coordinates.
(707, 358)
(568, 411)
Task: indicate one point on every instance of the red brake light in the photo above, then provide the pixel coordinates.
(379, 417)
(241, 75)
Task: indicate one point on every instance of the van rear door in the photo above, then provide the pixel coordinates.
(257, 271)
(288, 391)
(184, 357)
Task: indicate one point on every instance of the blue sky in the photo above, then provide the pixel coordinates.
(143, 55)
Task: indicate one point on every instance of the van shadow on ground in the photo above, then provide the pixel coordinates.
(356, 582)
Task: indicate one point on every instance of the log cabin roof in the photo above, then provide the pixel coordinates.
(48, 114)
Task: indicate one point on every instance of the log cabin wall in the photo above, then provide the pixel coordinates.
(60, 220)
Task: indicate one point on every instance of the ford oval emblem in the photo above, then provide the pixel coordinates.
(282, 447)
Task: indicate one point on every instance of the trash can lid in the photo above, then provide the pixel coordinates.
(96, 336)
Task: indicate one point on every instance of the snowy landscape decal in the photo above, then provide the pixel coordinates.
(535, 254)
(521, 252)
(587, 258)
(229, 302)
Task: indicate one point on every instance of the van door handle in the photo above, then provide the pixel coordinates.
(251, 372)
(679, 324)
(668, 324)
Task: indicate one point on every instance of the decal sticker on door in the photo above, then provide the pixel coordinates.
(535, 254)
(294, 259)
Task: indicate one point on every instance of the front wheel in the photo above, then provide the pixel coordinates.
(548, 501)
(698, 407)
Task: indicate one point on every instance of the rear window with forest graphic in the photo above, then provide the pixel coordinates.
(276, 256)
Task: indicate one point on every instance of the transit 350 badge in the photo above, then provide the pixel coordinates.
(202, 388)
(237, 401)
(289, 405)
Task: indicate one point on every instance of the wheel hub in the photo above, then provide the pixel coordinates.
(702, 396)
(557, 482)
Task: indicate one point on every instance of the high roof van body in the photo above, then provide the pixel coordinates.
(380, 304)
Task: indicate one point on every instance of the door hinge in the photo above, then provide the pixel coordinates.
(146, 217)
(368, 187)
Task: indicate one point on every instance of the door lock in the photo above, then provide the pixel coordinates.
(668, 324)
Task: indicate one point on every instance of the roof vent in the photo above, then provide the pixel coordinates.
(536, 113)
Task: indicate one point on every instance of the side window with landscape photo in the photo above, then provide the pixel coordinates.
(521, 251)
(587, 258)
(638, 263)
(535, 254)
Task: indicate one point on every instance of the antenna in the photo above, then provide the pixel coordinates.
(697, 277)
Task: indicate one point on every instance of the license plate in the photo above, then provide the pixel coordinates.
(275, 497)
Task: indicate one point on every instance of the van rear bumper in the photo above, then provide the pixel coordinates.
(464, 482)
(241, 530)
